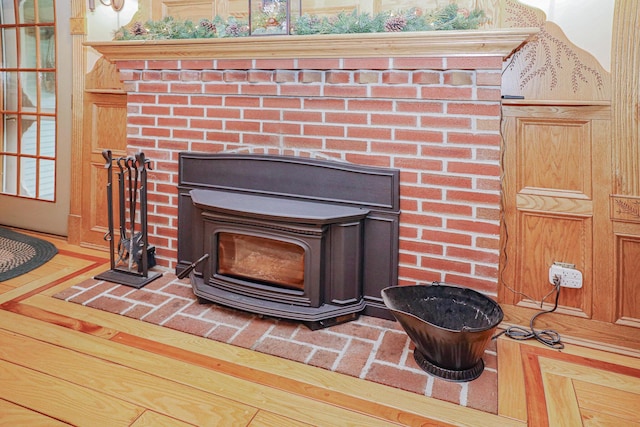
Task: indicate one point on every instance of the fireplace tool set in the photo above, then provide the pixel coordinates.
(131, 259)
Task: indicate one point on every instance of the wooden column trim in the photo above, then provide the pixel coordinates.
(625, 97)
(78, 36)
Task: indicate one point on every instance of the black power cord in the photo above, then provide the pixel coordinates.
(548, 337)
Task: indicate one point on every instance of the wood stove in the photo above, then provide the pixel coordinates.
(290, 237)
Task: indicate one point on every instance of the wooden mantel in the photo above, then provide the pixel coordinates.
(500, 42)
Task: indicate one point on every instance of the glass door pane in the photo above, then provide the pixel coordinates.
(261, 259)
(28, 108)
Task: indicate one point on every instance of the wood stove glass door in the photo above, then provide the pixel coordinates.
(258, 258)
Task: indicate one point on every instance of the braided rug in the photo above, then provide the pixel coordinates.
(20, 253)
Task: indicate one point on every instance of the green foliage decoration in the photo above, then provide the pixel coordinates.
(171, 28)
(453, 18)
(448, 18)
(415, 19)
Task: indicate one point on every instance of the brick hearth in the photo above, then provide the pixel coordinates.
(369, 348)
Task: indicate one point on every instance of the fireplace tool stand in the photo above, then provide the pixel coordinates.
(131, 260)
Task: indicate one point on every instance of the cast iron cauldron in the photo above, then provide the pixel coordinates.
(450, 326)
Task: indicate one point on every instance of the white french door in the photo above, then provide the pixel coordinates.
(35, 114)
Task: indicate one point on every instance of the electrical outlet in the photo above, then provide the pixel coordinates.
(569, 276)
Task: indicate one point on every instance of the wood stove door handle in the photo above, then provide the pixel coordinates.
(193, 265)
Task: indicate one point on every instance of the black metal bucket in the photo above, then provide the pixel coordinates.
(450, 326)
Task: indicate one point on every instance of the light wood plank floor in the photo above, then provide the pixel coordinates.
(66, 364)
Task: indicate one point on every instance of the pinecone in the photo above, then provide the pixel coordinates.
(138, 29)
(208, 25)
(395, 24)
(232, 30)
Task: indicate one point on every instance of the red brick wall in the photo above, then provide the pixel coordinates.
(435, 119)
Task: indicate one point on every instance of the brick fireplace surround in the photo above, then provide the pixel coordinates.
(425, 103)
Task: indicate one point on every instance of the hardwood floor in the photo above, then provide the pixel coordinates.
(578, 386)
(66, 364)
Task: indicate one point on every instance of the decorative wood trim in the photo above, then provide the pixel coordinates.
(550, 66)
(103, 76)
(552, 102)
(78, 12)
(591, 110)
(626, 97)
(627, 259)
(78, 26)
(106, 91)
(626, 209)
(411, 44)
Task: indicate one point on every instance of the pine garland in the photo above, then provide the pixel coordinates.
(449, 18)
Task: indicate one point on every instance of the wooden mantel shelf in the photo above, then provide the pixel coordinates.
(500, 42)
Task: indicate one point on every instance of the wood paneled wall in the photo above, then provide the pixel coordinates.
(572, 180)
(556, 202)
